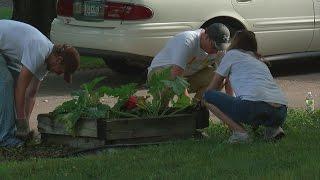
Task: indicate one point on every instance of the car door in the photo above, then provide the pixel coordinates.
(315, 46)
(281, 26)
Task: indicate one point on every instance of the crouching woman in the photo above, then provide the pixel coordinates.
(258, 99)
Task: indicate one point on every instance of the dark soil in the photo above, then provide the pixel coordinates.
(33, 151)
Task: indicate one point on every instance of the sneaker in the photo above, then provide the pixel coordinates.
(273, 133)
(239, 137)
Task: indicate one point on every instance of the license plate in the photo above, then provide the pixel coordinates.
(93, 9)
(77, 8)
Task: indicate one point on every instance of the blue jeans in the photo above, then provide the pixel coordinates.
(248, 112)
(7, 113)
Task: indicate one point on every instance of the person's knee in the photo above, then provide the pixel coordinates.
(210, 95)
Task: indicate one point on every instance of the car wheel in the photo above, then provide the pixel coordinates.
(122, 66)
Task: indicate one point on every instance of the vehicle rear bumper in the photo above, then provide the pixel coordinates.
(108, 54)
(144, 40)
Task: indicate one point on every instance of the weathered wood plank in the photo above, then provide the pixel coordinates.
(122, 131)
(154, 139)
(150, 127)
(202, 117)
(85, 127)
(76, 142)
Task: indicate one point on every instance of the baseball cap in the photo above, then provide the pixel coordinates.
(71, 61)
(220, 34)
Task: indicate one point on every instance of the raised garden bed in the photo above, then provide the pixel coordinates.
(166, 112)
(94, 133)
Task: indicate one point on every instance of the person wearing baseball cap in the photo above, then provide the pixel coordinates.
(220, 35)
(63, 59)
(193, 55)
(26, 57)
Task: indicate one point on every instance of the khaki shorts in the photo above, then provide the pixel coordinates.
(198, 81)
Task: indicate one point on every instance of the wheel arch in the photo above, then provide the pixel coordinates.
(232, 23)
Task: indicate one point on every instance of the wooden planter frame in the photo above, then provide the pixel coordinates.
(99, 132)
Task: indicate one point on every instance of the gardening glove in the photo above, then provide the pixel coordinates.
(23, 129)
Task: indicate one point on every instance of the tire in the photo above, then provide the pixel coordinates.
(122, 66)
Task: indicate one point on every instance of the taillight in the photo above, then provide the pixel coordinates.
(137, 12)
(114, 10)
(65, 8)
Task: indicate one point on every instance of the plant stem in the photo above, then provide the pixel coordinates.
(179, 110)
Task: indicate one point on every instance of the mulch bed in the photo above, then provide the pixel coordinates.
(34, 151)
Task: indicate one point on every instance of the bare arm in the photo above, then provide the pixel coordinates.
(217, 82)
(228, 87)
(226, 84)
(176, 71)
(22, 84)
(31, 93)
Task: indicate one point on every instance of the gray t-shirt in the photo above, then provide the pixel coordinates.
(250, 78)
(24, 44)
(184, 51)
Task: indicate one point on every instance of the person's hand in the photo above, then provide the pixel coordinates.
(186, 93)
(221, 53)
(23, 129)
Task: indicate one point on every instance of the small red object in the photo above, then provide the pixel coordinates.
(131, 103)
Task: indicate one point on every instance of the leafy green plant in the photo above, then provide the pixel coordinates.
(122, 93)
(157, 88)
(163, 88)
(166, 96)
(85, 104)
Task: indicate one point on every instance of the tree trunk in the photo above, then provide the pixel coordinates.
(38, 13)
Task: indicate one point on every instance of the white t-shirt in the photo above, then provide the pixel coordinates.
(250, 78)
(24, 44)
(184, 51)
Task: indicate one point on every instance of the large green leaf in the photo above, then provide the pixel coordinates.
(182, 101)
(69, 120)
(91, 85)
(178, 85)
(122, 92)
(155, 83)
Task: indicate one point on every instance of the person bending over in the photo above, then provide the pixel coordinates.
(26, 56)
(192, 54)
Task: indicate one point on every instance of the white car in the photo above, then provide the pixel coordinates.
(130, 32)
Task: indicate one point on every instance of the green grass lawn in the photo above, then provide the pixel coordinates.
(85, 62)
(91, 62)
(5, 13)
(294, 157)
